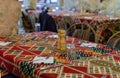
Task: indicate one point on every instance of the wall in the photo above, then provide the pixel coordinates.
(32, 4)
(9, 15)
(88, 4)
(109, 7)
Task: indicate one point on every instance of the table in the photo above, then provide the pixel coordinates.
(101, 24)
(89, 62)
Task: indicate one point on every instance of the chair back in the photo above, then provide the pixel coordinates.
(81, 30)
(60, 22)
(28, 22)
(114, 40)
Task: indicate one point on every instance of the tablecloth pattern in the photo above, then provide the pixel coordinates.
(83, 62)
(101, 24)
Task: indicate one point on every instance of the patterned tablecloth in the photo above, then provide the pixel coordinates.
(103, 25)
(81, 61)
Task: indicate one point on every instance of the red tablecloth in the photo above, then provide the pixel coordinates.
(90, 18)
(92, 63)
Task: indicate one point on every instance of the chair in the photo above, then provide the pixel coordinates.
(64, 22)
(60, 22)
(115, 26)
(28, 22)
(102, 32)
(114, 40)
(81, 30)
(108, 28)
(69, 20)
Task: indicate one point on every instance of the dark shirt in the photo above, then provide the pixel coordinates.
(47, 23)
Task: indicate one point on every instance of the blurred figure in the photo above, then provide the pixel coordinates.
(73, 9)
(46, 21)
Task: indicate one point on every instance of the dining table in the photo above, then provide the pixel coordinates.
(34, 55)
(101, 24)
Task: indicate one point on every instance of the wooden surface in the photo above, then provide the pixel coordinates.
(9, 15)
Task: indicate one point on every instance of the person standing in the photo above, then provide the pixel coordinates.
(46, 21)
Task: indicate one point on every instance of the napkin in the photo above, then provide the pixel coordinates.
(2, 43)
(88, 45)
(66, 14)
(53, 36)
(88, 17)
(40, 59)
(113, 18)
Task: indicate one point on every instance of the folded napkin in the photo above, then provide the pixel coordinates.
(88, 45)
(53, 36)
(40, 59)
(2, 43)
(88, 17)
(113, 18)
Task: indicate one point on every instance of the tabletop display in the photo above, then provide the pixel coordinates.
(34, 55)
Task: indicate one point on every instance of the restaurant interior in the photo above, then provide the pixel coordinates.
(59, 38)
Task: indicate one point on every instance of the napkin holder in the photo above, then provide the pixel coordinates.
(61, 44)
